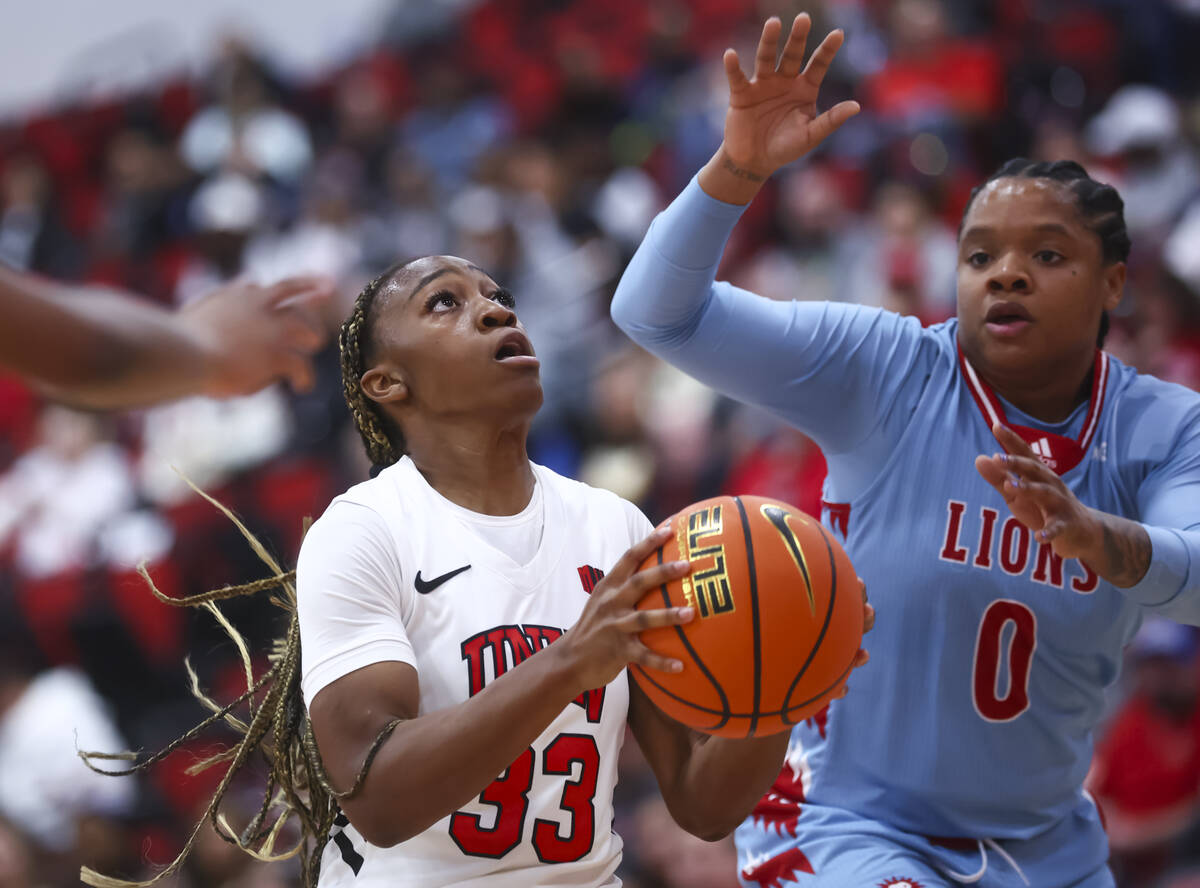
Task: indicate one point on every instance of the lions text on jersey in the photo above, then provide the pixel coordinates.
(990, 654)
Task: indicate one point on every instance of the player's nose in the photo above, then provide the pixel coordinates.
(492, 314)
(1008, 275)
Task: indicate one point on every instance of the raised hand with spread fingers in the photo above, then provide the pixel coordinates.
(772, 118)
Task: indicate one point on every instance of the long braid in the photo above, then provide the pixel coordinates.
(382, 440)
(297, 783)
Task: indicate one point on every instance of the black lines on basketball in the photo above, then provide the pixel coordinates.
(824, 625)
(695, 658)
(770, 633)
(754, 615)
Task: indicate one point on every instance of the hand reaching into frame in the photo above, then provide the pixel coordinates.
(251, 335)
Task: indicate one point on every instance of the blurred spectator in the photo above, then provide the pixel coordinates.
(1146, 773)
(58, 497)
(453, 123)
(32, 236)
(46, 792)
(246, 130)
(1157, 172)
(903, 258)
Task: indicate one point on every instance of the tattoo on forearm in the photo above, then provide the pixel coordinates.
(1127, 552)
(741, 172)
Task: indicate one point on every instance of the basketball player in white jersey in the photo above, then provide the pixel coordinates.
(425, 592)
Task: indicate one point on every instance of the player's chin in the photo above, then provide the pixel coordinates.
(523, 394)
(1014, 350)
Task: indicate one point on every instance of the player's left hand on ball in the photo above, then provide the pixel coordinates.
(863, 656)
(605, 638)
(251, 335)
(1037, 497)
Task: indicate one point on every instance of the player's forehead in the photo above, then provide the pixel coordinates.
(1018, 205)
(417, 276)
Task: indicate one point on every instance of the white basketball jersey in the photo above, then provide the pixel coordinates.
(391, 571)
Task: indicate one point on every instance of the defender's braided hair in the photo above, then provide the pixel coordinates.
(1100, 205)
(278, 726)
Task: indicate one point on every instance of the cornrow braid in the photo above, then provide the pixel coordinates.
(278, 727)
(1100, 205)
(384, 443)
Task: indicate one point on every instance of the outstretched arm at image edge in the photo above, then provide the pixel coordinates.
(103, 349)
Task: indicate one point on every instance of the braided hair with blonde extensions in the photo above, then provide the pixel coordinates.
(278, 727)
(383, 441)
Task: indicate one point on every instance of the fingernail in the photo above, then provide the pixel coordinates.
(676, 666)
(685, 613)
(1004, 457)
(680, 565)
(1014, 479)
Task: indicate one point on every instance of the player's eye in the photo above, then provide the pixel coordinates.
(978, 259)
(505, 298)
(442, 300)
(1047, 257)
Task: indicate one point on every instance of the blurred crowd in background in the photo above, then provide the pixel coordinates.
(537, 138)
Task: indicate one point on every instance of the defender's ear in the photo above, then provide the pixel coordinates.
(1114, 285)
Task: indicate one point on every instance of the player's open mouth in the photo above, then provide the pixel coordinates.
(515, 348)
(1007, 318)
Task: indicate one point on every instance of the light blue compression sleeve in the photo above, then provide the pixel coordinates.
(1169, 505)
(841, 373)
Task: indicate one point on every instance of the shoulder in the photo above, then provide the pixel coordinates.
(1154, 417)
(347, 515)
(359, 525)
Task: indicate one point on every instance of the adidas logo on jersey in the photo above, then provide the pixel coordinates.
(1042, 448)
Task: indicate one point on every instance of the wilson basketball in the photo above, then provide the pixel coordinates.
(779, 618)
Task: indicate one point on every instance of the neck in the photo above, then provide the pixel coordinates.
(1050, 394)
(482, 469)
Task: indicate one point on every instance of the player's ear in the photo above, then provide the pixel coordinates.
(1114, 284)
(384, 384)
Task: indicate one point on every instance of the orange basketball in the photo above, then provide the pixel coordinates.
(779, 618)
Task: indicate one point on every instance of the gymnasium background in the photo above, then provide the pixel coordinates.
(167, 150)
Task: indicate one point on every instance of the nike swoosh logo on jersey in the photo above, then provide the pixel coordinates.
(427, 586)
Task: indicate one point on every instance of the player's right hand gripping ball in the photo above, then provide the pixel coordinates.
(779, 618)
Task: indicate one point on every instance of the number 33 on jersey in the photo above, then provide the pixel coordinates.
(461, 628)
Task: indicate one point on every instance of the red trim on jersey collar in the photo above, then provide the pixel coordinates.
(1058, 452)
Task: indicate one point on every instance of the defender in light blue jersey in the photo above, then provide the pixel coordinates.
(1014, 498)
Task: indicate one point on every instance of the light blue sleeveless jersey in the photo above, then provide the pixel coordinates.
(990, 657)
